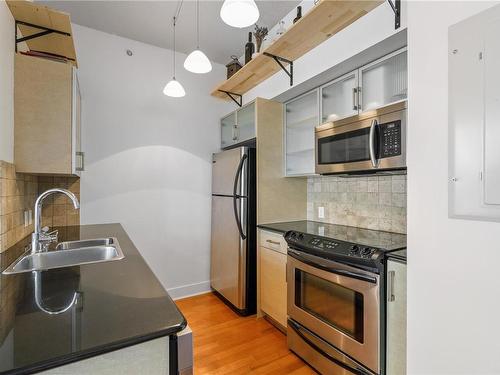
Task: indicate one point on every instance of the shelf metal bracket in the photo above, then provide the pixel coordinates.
(237, 98)
(396, 7)
(45, 31)
(280, 60)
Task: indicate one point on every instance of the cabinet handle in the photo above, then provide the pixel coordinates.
(274, 242)
(354, 95)
(390, 286)
(235, 132)
(358, 98)
(81, 167)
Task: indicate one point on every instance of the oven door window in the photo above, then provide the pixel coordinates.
(345, 147)
(338, 306)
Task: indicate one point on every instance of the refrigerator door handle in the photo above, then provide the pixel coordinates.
(237, 197)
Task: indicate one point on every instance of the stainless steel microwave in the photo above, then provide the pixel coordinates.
(371, 142)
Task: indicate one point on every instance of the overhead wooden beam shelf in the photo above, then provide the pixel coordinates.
(43, 29)
(323, 21)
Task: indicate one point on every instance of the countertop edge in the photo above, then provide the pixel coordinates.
(50, 364)
(266, 227)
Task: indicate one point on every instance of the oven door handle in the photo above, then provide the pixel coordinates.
(327, 267)
(374, 147)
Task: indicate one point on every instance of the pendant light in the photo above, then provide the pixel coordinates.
(239, 13)
(197, 61)
(174, 88)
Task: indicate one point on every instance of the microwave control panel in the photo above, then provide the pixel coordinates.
(390, 139)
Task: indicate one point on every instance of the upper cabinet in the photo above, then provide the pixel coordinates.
(245, 121)
(227, 130)
(339, 98)
(301, 116)
(375, 85)
(384, 81)
(238, 127)
(47, 117)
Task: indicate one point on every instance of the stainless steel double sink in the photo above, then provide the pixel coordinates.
(68, 254)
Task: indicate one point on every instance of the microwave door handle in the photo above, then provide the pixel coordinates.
(373, 157)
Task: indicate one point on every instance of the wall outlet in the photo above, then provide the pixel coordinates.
(321, 212)
(26, 219)
(30, 217)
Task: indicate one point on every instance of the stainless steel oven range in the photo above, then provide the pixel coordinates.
(335, 297)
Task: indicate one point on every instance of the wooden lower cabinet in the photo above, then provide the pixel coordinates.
(272, 265)
(396, 318)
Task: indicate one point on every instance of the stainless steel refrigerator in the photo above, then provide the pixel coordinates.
(233, 246)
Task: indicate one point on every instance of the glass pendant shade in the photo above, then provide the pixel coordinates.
(239, 13)
(197, 62)
(174, 89)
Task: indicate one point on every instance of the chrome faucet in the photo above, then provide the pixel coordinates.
(40, 238)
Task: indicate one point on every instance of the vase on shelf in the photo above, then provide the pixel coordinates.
(259, 34)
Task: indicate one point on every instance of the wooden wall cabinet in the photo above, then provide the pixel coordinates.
(278, 198)
(47, 117)
(272, 276)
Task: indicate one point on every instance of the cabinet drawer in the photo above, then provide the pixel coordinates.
(273, 241)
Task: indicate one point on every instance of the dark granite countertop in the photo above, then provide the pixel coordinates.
(384, 240)
(120, 303)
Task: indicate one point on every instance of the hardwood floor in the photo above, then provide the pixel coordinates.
(225, 343)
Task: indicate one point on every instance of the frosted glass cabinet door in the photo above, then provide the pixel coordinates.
(228, 133)
(339, 98)
(384, 81)
(246, 122)
(301, 116)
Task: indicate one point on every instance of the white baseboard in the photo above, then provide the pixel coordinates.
(189, 290)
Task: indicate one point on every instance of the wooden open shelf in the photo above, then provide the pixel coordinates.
(43, 16)
(323, 21)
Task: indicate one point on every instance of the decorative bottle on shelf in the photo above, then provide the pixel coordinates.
(299, 14)
(249, 49)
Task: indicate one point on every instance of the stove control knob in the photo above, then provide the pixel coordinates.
(366, 251)
(354, 249)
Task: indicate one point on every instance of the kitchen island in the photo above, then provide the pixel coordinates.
(95, 318)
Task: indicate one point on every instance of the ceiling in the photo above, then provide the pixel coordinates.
(151, 22)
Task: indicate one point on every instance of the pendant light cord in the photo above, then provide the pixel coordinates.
(197, 24)
(175, 19)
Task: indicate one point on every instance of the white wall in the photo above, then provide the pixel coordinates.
(148, 156)
(453, 278)
(6, 83)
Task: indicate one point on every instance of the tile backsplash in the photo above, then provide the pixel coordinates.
(375, 202)
(18, 192)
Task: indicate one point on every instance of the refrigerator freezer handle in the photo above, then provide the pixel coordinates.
(237, 197)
